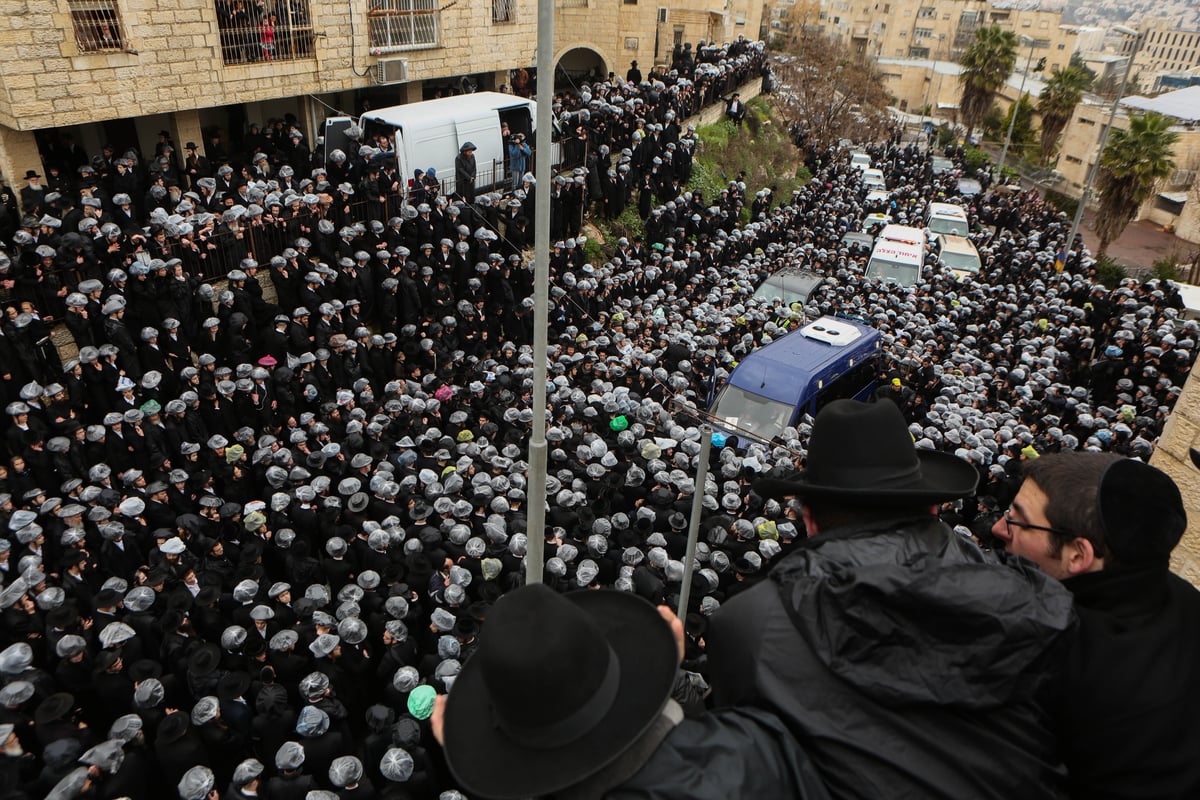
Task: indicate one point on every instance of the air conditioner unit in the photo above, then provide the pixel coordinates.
(391, 70)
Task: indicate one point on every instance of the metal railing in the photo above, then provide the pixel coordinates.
(504, 11)
(97, 25)
(395, 25)
(259, 32)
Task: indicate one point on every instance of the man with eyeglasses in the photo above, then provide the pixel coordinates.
(1105, 526)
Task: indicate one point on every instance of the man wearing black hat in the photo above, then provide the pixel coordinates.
(33, 194)
(1106, 526)
(613, 728)
(907, 662)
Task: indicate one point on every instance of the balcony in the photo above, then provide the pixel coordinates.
(275, 31)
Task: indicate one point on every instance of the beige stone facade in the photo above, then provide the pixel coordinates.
(1181, 433)
(1166, 48)
(1175, 201)
(169, 71)
(942, 29)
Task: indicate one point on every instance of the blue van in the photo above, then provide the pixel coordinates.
(797, 374)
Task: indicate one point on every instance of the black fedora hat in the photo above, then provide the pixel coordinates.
(204, 659)
(863, 453)
(53, 708)
(514, 729)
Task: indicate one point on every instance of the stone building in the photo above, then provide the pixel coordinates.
(1176, 200)
(80, 74)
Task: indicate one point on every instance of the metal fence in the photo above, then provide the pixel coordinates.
(97, 25)
(394, 25)
(274, 31)
(504, 10)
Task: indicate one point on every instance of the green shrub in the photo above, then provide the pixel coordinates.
(717, 135)
(592, 251)
(627, 224)
(706, 179)
(1109, 272)
(1166, 268)
(1065, 204)
(945, 136)
(974, 158)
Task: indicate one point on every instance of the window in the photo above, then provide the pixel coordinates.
(1041, 44)
(923, 33)
(1074, 159)
(403, 24)
(631, 2)
(506, 10)
(927, 12)
(97, 25)
(276, 30)
(918, 52)
(662, 15)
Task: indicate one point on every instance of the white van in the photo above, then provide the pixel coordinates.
(896, 261)
(960, 255)
(947, 219)
(860, 161)
(873, 179)
(430, 133)
(905, 234)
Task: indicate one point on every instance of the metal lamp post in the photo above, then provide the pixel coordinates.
(1087, 188)
(536, 528)
(933, 70)
(1016, 105)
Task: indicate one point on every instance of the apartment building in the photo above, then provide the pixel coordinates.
(1176, 200)
(120, 71)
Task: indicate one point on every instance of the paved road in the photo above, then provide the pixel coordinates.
(1140, 244)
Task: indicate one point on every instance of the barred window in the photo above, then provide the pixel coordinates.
(97, 25)
(403, 24)
(274, 30)
(504, 10)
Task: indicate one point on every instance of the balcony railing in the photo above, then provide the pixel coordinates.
(395, 25)
(97, 26)
(264, 31)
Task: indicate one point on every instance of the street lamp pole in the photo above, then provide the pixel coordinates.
(1012, 122)
(1087, 187)
(936, 55)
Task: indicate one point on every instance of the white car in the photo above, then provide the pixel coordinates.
(873, 179)
(860, 161)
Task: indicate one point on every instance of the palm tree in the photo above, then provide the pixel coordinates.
(1133, 160)
(986, 64)
(1062, 93)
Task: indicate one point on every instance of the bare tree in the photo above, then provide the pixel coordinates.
(829, 92)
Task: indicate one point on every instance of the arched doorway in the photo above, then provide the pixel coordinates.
(579, 65)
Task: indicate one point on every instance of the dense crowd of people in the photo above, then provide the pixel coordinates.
(249, 534)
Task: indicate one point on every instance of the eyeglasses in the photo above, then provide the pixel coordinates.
(1010, 523)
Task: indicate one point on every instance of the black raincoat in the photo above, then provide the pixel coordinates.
(908, 663)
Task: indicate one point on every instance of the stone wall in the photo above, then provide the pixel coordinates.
(178, 65)
(1182, 432)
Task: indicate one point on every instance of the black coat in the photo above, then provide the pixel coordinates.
(732, 753)
(1132, 696)
(911, 664)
